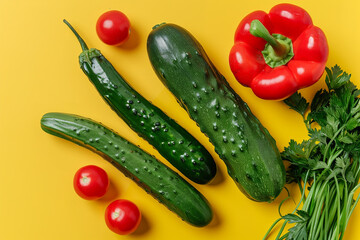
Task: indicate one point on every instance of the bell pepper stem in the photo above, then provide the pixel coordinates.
(259, 30)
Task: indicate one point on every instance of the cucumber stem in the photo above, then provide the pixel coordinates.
(81, 41)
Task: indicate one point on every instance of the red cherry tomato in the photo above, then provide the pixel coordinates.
(113, 27)
(91, 182)
(122, 216)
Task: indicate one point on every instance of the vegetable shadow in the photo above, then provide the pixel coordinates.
(111, 194)
(291, 189)
(219, 177)
(143, 228)
(216, 221)
(132, 42)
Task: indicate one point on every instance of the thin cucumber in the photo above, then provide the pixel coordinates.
(172, 141)
(154, 177)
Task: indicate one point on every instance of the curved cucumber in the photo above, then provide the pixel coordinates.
(172, 141)
(156, 178)
(246, 147)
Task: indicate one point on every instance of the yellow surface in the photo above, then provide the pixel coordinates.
(40, 73)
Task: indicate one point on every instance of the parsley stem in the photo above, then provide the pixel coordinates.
(319, 202)
(303, 192)
(286, 221)
(310, 194)
(285, 236)
(281, 230)
(338, 202)
(320, 225)
(330, 159)
(332, 139)
(271, 228)
(350, 202)
(326, 214)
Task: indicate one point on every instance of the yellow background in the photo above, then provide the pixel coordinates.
(39, 73)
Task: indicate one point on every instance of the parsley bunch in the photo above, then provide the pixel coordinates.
(327, 165)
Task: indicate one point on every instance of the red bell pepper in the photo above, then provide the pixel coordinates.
(278, 53)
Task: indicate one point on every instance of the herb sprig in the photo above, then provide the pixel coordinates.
(327, 165)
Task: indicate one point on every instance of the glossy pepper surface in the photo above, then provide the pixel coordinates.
(278, 53)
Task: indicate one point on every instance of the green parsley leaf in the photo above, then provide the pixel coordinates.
(346, 139)
(298, 232)
(336, 77)
(297, 103)
(329, 161)
(352, 124)
(295, 153)
(320, 100)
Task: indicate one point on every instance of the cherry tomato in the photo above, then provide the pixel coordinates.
(91, 182)
(122, 216)
(113, 27)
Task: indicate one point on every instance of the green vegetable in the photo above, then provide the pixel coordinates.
(172, 141)
(156, 178)
(327, 164)
(246, 147)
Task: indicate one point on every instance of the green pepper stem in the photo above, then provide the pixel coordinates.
(259, 30)
(81, 41)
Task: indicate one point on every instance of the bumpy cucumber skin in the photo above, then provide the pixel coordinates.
(153, 176)
(248, 150)
(172, 141)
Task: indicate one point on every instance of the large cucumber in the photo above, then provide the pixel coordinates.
(172, 141)
(156, 178)
(246, 147)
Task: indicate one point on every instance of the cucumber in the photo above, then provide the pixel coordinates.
(242, 142)
(172, 141)
(156, 178)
